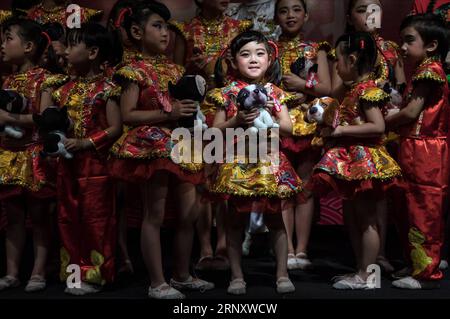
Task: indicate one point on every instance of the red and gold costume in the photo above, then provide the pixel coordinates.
(144, 149)
(292, 49)
(210, 38)
(424, 159)
(254, 187)
(5, 15)
(86, 205)
(58, 14)
(22, 169)
(387, 59)
(354, 165)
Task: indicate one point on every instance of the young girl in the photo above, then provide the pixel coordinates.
(247, 186)
(143, 153)
(26, 183)
(356, 164)
(86, 214)
(55, 11)
(388, 70)
(423, 124)
(291, 15)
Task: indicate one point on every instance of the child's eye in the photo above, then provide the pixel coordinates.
(157, 25)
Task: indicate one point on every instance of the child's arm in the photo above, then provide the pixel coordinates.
(242, 118)
(284, 120)
(373, 127)
(293, 82)
(412, 111)
(132, 116)
(399, 71)
(100, 138)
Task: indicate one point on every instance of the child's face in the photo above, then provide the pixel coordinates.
(413, 47)
(343, 66)
(360, 13)
(215, 5)
(13, 47)
(155, 38)
(77, 54)
(252, 61)
(291, 16)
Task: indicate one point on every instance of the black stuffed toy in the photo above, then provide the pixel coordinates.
(53, 125)
(15, 103)
(190, 87)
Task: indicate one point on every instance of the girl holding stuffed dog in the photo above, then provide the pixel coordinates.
(27, 185)
(258, 187)
(143, 154)
(356, 164)
(85, 193)
(305, 72)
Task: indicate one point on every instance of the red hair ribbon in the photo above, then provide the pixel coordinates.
(121, 16)
(274, 47)
(47, 37)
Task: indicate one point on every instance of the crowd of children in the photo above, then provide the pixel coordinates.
(388, 149)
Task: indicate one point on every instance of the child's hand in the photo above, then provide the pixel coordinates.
(3, 117)
(291, 82)
(330, 132)
(300, 97)
(247, 118)
(77, 144)
(270, 104)
(183, 108)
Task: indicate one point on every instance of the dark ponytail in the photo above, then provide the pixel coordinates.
(363, 46)
(56, 32)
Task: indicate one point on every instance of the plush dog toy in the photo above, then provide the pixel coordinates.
(325, 112)
(396, 99)
(53, 125)
(190, 87)
(306, 68)
(13, 102)
(255, 96)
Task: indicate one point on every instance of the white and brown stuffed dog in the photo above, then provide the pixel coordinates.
(325, 112)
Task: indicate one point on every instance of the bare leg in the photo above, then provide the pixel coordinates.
(15, 234)
(304, 213)
(288, 219)
(221, 211)
(154, 202)
(351, 221)
(184, 234)
(39, 210)
(203, 227)
(279, 241)
(234, 228)
(370, 239)
(122, 231)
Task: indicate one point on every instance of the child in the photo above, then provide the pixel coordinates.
(200, 41)
(86, 212)
(198, 45)
(142, 154)
(356, 164)
(245, 185)
(423, 125)
(27, 184)
(55, 11)
(389, 71)
(291, 16)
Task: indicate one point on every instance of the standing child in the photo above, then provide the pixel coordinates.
(248, 185)
(86, 212)
(423, 123)
(356, 164)
(143, 153)
(389, 71)
(199, 43)
(26, 185)
(313, 80)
